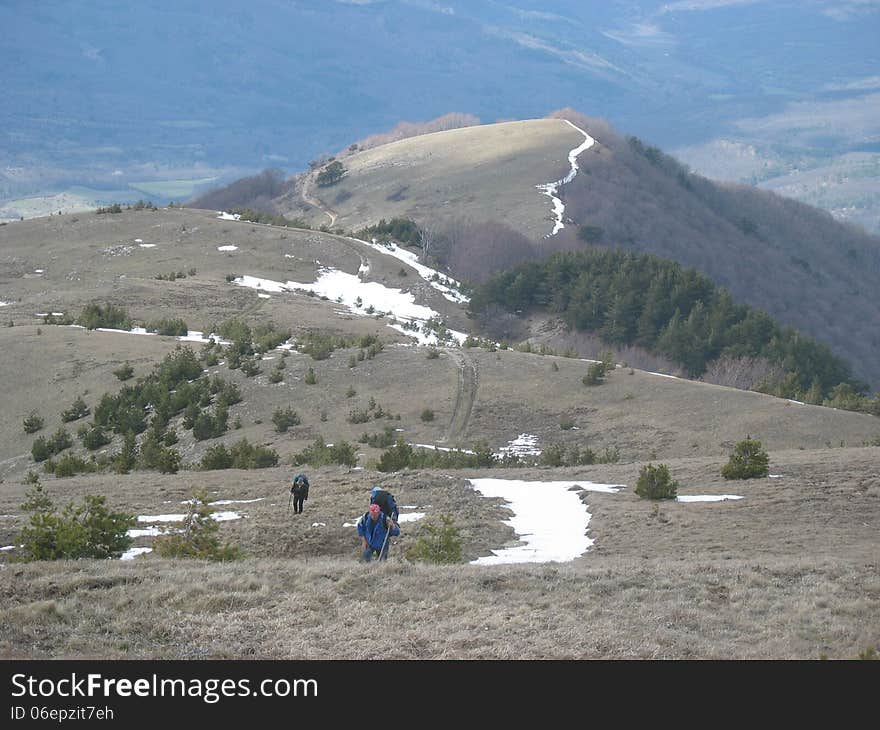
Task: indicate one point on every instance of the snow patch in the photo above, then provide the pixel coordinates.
(442, 283)
(549, 517)
(224, 216)
(707, 498)
(551, 189)
(227, 248)
(218, 516)
(362, 298)
(437, 448)
(410, 517)
(132, 553)
(525, 444)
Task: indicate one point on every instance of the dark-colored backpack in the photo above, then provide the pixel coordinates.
(386, 501)
(304, 489)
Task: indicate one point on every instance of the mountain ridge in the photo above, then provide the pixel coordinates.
(626, 195)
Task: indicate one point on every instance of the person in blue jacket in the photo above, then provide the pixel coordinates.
(373, 526)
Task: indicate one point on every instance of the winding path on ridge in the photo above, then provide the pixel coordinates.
(316, 202)
(468, 380)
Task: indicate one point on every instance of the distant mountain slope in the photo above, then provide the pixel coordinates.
(477, 185)
(63, 263)
(790, 259)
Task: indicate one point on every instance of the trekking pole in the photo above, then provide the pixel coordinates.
(384, 542)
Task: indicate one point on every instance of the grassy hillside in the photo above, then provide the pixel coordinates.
(785, 573)
(474, 189)
(479, 173)
(751, 564)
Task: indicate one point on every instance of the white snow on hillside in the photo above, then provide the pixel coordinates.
(432, 276)
(218, 516)
(664, 375)
(227, 248)
(439, 448)
(549, 517)
(525, 444)
(364, 298)
(551, 189)
(132, 553)
(706, 498)
(224, 216)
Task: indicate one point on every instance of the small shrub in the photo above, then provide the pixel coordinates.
(32, 423)
(595, 374)
(311, 378)
(439, 541)
(216, 457)
(169, 327)
(69, 465)
(86, 530)
(284, 419)
(351, 392)
(77, 410)
(566, 423)
(427, 415)
(199, 537)
(433, 353)
(379, 440)
(320, 454)
(94, 316)
(153, 454)
(276, 376)
(124, 372)
(208, 426)
(748, 461)
(331, 174)
(94, 438)
(655, 483)
(359, 416)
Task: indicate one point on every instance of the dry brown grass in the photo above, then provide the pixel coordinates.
(789, 572)
(481, 173)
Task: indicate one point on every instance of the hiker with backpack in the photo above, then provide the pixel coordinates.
(386, 502)
(299, 492)
(374, 527)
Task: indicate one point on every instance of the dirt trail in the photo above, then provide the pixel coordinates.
(316, 202)
(468, 381)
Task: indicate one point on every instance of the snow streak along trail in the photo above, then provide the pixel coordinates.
(550, 189)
